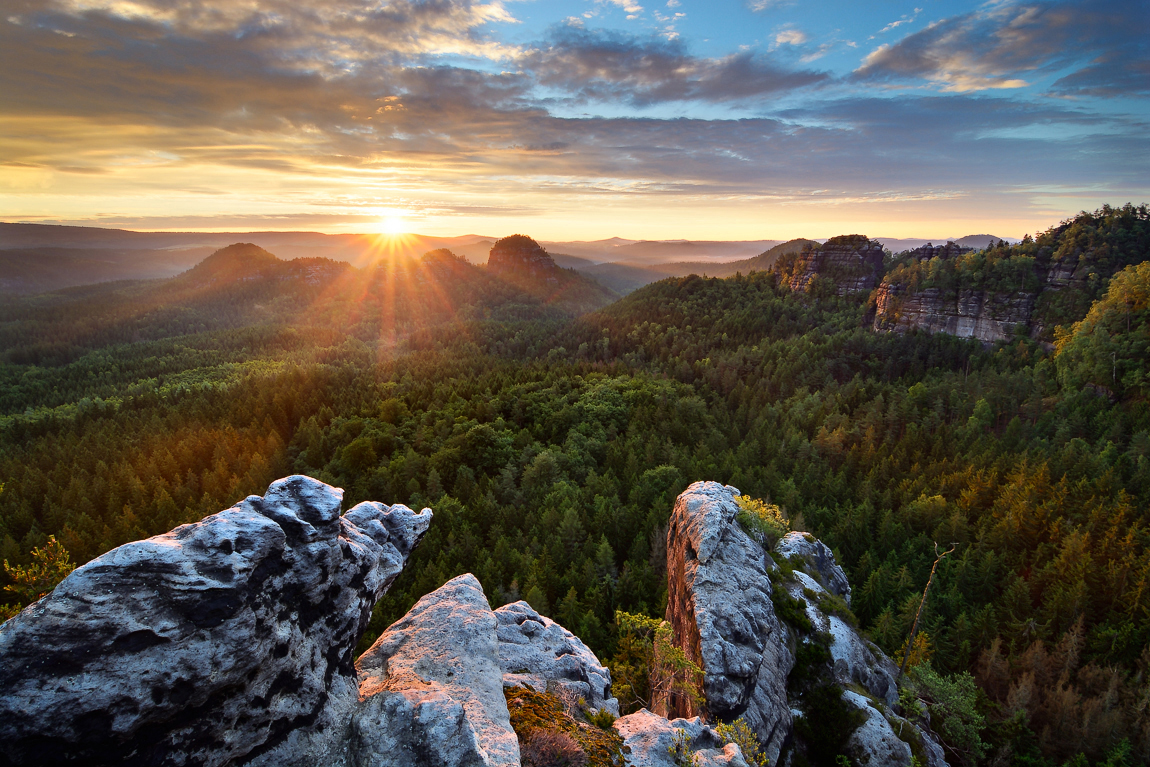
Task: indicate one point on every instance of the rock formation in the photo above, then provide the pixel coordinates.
(722, 588)
(719, 606)
(536, 651)
(852, 261)
(929, 251)
(819, 562)
(226, 641)
(521, 255)
(431, 688)
(648, 739)
(989, 317)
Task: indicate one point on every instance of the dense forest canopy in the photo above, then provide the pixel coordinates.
(551, 447)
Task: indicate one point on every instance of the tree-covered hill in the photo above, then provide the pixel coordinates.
(551, 448)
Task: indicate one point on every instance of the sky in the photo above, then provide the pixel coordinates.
(574, 119)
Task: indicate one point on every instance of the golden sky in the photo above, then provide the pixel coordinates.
(572, 119)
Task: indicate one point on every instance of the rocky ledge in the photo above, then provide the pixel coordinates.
(231, 641)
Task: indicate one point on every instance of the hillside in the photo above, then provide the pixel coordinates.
(520, 261)
(552, 448)
(1026, 289)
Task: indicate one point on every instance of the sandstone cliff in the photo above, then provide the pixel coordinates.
(722, 592)
(853, 263)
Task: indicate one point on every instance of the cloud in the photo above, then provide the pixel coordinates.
(609, 66)
(790, 37)
(1010, 44)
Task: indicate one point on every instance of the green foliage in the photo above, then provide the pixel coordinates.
(742, 735)
(789, 609)
(649, 668)
(680, 750)
(50, 565)
(953, 705)
(1110, 347)
(764, 521)
(535, 713)
(826, 725)
(552, 449)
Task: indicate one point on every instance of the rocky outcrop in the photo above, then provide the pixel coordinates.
(854, 262)
(431, 687)
(521, 255)
(988, 317)
(719, 606)
(819, 561)
(722, 588)
(536, 651)
(929, 251)
(648, 740)
(228, 641)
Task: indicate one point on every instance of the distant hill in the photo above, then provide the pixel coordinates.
(976, 241)
(521, 261)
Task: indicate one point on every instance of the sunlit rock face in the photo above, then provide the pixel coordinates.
(719, 606)
(228, 641)
(431, 687)
(520, 255)
(853, 262)
(988, 317)
(648, 741)
(721, 591)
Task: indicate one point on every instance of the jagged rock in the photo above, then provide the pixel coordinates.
(719, 606)
(537, 651)
(820, 561)
(874, 742)
(649, 737)
(852, 261)
(226, 641)
(431, 687)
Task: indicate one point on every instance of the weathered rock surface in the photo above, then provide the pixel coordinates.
(855, 661)
(949, 250)
(988, 317)
(431, 687)
(874, 742)
(719, 605)
(536, 651)
(228, 641)
(819, 559)
(649, 738)
(852, 261)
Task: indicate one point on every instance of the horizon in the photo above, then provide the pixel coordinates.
(423, 235)
(574, 119)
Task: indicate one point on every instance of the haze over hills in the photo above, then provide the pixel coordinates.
(37, 257)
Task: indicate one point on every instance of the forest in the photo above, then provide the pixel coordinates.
(551, 446)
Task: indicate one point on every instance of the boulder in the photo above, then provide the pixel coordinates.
(226, 641)
(719, 606)
(819, 562)
(536, 651)
(647, 741)
(431, 689)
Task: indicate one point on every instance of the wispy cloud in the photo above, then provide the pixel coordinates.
(1007, 45)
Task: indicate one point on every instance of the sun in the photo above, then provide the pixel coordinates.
(393, 225)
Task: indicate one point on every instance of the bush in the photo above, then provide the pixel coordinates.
(741, 734)
(765, 522)
(552, 748)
